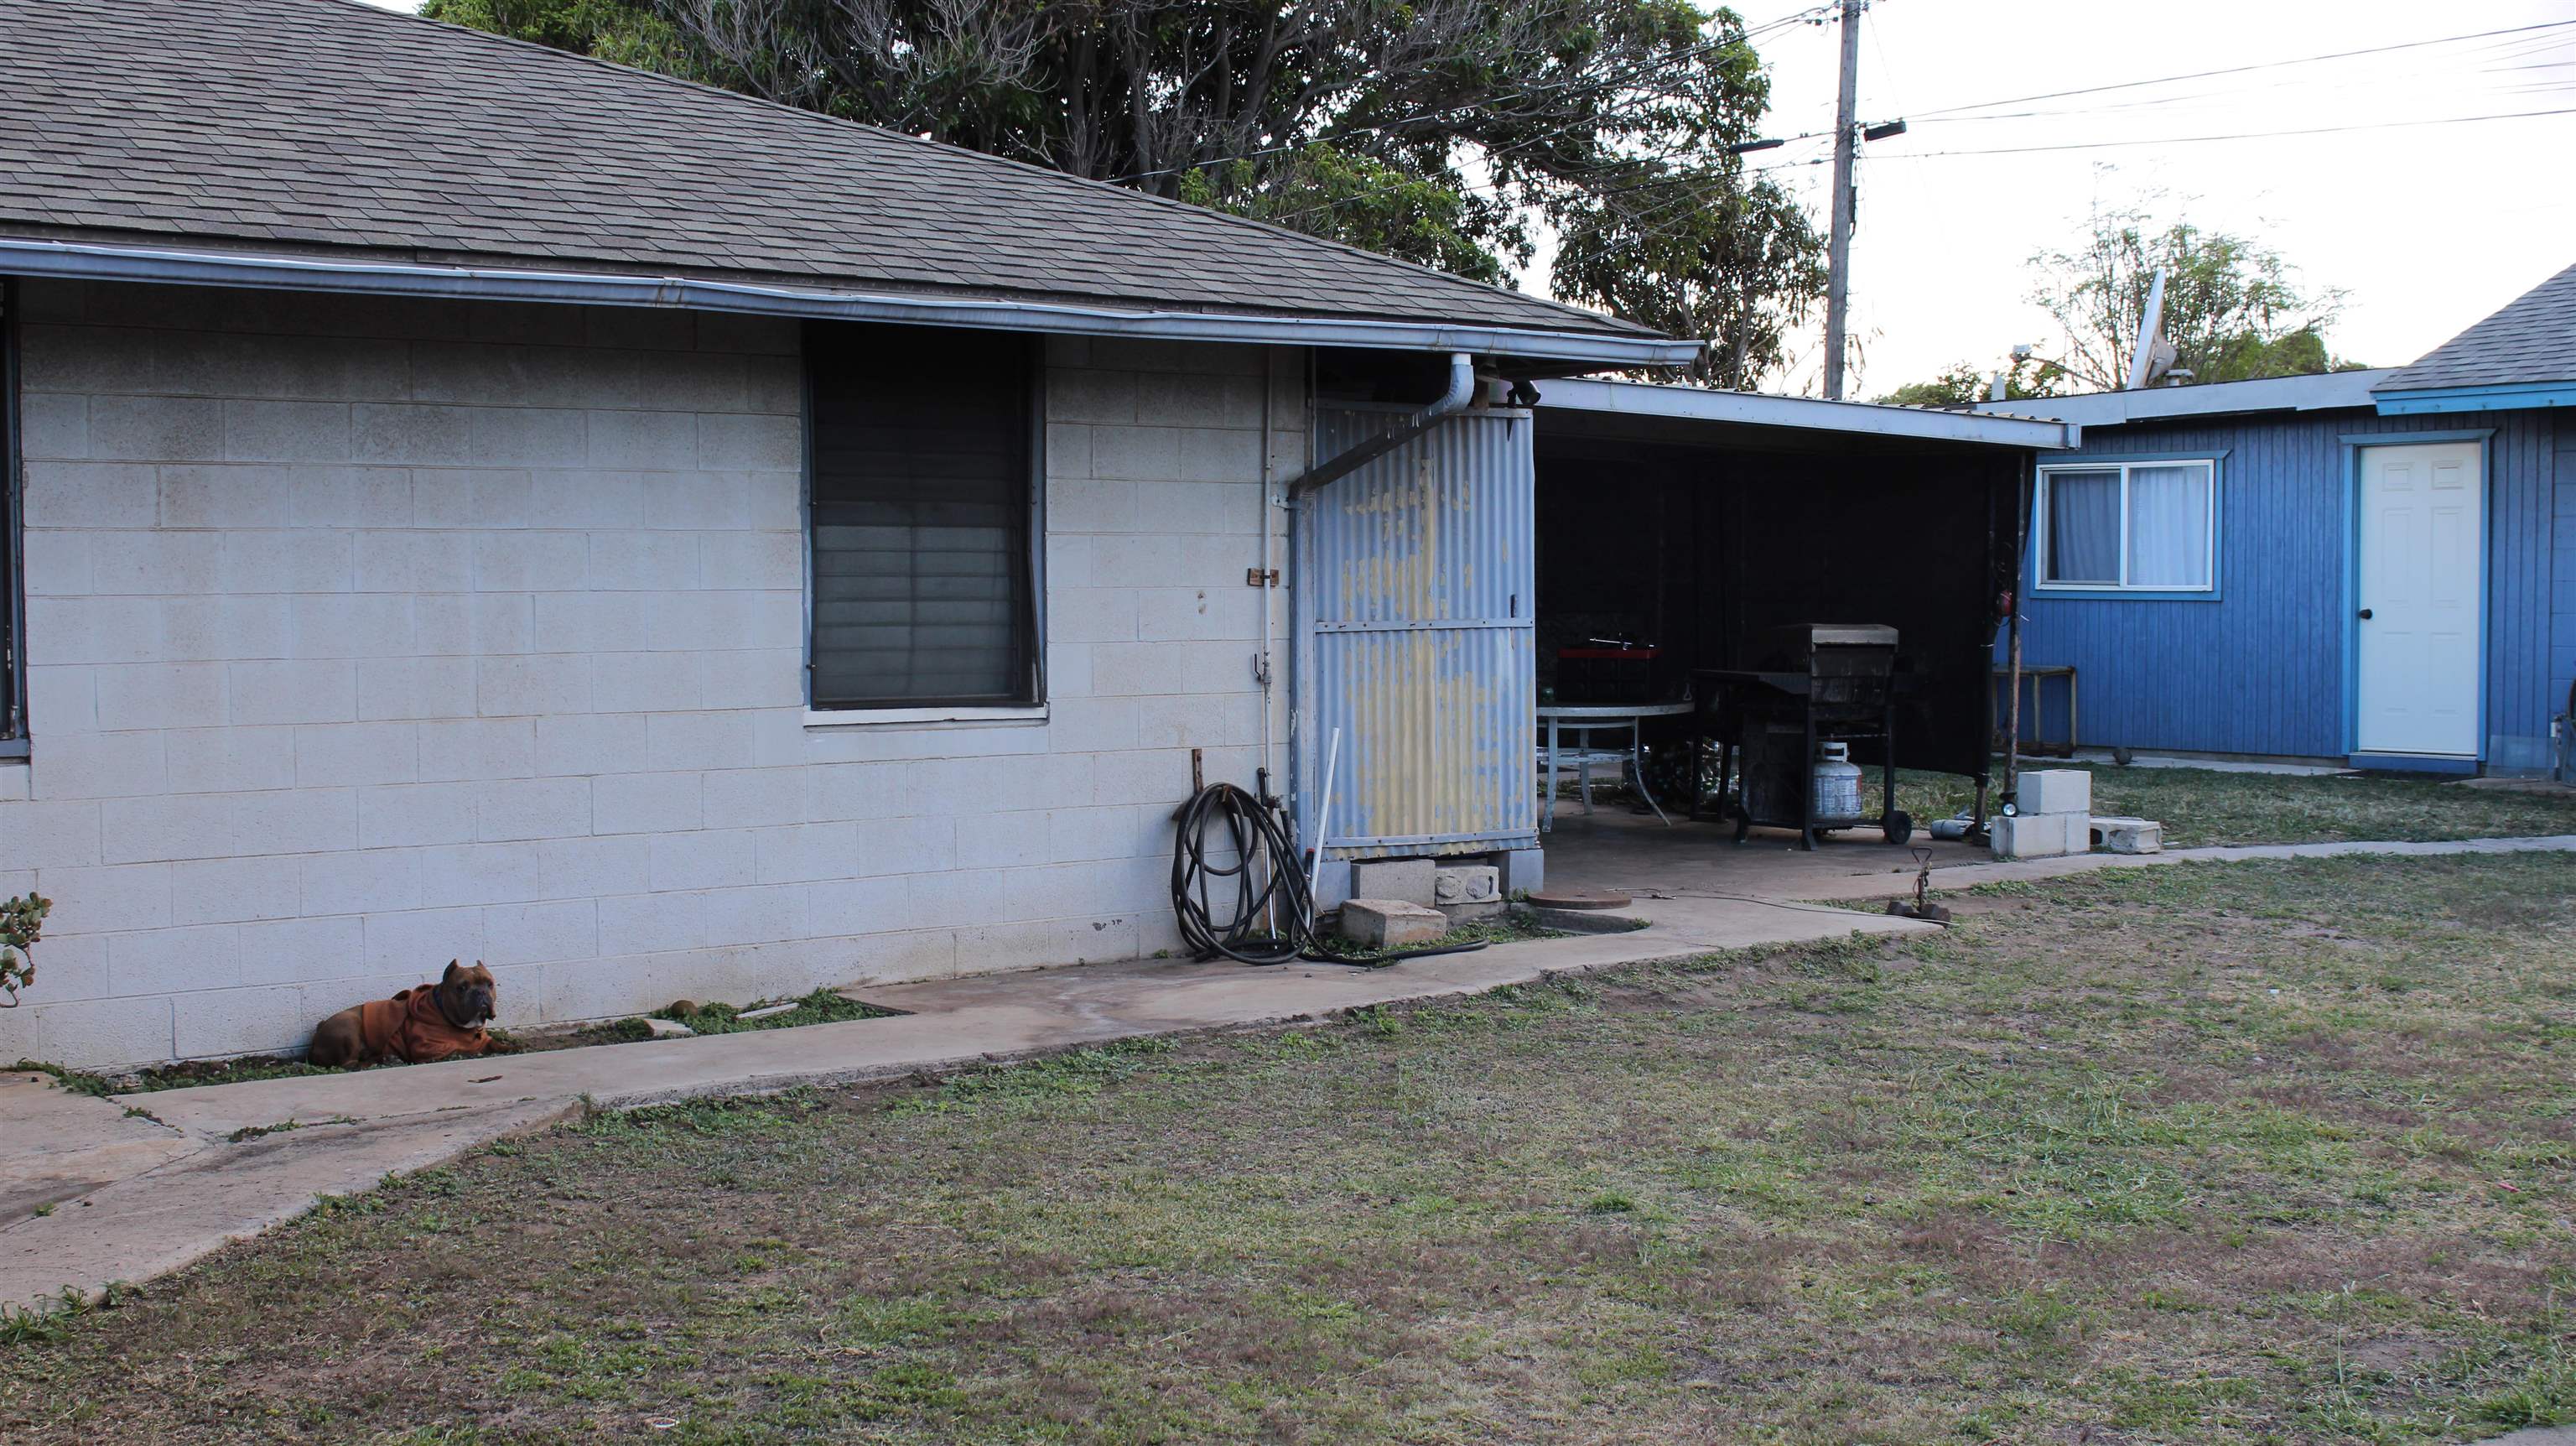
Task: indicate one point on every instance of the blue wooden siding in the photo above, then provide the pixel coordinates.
(2562, 631)
(2263, 669)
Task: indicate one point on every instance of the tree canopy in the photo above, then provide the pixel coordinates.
(1447, 132)
(1960, 384)
(2233, 308)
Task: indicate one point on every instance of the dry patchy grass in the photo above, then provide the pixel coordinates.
(2203, 806)
(2269, 1152)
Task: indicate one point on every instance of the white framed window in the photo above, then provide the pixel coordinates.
(2128, 527)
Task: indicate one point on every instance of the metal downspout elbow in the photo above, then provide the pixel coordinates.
(1461, 390)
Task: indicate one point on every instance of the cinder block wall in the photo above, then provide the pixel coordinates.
(363, 633)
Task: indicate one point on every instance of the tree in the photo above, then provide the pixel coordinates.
(1441, 131)
(1688, 252)
(2232, 308)
(1960, 384)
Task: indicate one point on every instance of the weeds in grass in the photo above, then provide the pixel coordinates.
(2062, 1169)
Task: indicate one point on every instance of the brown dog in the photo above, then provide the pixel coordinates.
(418, 1025)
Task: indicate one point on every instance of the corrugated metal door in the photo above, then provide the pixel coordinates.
(1414, 607)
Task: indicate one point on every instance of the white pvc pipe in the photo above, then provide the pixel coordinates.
(1324, 811)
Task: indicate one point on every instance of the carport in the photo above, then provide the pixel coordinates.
(1441, 583)
(1678, 528)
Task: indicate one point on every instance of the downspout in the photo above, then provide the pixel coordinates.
(1462, 388)
(1267, 578)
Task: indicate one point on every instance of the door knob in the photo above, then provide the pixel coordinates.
(2365, 615)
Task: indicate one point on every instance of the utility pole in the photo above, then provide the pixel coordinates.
(1838, 245)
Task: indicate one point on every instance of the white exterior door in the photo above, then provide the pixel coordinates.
(2422, 598)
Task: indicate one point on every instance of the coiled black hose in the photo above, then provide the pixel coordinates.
(1263, 879)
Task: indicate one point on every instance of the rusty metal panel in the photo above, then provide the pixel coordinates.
(1414, 605)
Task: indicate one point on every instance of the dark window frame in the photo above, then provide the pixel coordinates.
(13, 551)
(1030, 622)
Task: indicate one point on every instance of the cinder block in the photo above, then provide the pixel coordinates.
(2055, 790)
(532, 808)
(287, 951)
(2039, 835)
(50, 834)
(156, 429)
(1410, 880)
(2118, 835)
(1390, 923)
(1466, 884)
(95, 1033)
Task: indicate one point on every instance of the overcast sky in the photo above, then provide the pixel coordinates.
(2427, 227)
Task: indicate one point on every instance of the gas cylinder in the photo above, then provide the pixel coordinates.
(1837, 782)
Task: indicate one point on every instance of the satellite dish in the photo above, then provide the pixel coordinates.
(2154, 355)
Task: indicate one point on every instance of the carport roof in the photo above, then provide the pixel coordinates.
(1807, 414)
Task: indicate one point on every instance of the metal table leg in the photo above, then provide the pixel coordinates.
(1637, 761)
(1547, 784)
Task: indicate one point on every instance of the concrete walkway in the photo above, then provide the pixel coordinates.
(138, 1185)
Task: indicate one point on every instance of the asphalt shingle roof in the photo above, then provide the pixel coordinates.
(2533, 339)
(289, 124)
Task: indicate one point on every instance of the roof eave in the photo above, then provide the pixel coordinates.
(2319, 392)
(2495, 397)
(1812, 414)
(99, 262)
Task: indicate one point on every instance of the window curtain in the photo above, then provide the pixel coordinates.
(2084, 527)
(2169, 526)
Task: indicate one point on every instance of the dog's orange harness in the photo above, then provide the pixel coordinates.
(409, 1027)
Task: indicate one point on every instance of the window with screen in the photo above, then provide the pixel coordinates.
(921, 517)
(2129, 527)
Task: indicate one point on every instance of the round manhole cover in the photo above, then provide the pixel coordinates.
(1578, 899)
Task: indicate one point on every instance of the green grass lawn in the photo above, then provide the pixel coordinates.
(2202, 806)
(2254, 1152)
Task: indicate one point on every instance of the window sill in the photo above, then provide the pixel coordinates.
(2126, 594)
(924, 717)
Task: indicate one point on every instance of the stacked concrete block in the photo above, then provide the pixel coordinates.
(2119, 835)
(1467, 891)
(2054, 818)
(365, 632)
(1390, 923)
(1412, 880)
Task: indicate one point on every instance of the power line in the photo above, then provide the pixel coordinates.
(2231, 136)
(2245, 69)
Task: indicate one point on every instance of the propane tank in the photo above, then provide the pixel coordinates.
(1837, 782)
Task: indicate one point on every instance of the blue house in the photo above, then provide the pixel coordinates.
(2373, 568)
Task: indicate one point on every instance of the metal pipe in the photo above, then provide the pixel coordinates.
(1323, 813)
(1461, 390)
(80, 260)
(1262, 670)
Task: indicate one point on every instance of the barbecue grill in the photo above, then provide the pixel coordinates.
(1820, 683)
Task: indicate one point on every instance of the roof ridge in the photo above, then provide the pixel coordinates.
(834, 123)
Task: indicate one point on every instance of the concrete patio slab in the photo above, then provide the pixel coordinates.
(61, 1145)
(186, 1207)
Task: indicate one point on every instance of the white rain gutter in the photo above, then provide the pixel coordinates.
(94, 262)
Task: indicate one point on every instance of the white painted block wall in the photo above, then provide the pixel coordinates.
(363, 633)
